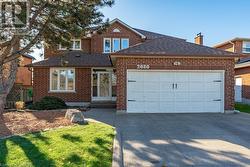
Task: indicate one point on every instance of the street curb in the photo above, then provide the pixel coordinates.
(117, 160)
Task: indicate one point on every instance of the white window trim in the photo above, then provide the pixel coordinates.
(109, 39)
(113, 40)
(127, 39)
(61, 48)
(244, 43)
(73, 45)
(58, 83)
(74, 40)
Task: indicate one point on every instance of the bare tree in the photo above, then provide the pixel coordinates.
(50, 21)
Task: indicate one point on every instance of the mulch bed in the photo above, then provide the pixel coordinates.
(25, 122)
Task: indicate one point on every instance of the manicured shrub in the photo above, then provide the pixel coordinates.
(48, 103)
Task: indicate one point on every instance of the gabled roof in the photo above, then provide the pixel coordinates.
(169, 46)
(124, 24)
(75, 59)
(232, 40)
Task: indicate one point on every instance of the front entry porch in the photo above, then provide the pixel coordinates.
(103, 85)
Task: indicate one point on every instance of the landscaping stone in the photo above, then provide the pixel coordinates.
(75, 116)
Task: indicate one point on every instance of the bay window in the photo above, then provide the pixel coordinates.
(62, 79)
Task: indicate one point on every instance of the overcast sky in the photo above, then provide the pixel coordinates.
(217, 20)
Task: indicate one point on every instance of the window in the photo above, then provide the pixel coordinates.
(116, 44)
(107, 45)
(124, 43)
(62, 79)
(75, 45)
(246, 47)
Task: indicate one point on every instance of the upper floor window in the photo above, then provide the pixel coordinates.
(107, 45)
(62, 79)
(117, 44)
(246, 47)
(75, 45)
(124, 43)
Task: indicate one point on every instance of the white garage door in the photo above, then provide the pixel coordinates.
(175, 92)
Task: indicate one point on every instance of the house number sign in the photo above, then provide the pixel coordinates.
(143, 66)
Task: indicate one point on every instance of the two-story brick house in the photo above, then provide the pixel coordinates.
(242, 68)
(142, 71)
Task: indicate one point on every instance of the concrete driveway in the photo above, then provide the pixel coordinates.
(183, 139)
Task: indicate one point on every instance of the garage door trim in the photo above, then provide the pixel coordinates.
(196, 71)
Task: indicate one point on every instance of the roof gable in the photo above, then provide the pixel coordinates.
(127, 26)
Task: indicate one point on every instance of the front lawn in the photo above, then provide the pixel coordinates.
(242, 107)
(79, 145)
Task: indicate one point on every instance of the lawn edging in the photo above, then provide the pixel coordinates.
(117, 158)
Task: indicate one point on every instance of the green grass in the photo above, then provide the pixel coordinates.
(80, 145)
(242, 107)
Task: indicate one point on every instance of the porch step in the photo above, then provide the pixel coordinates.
(106, 104)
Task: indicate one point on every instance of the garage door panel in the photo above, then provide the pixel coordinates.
(134, 107)
(196, 86)
(166, 107)
(210, 77)
(212, 106)
(152, 96)
(181, 87)
(137, 76)
(196, 96)
(166, 86)
(181, 77)
(150, 76)
(136, 86)
(196, 106)
(138, 96)
(212, 86)
(167, 96)
(182, 96)
(196, 76)
(167, 77)
(182, 107)
(153, 92)
(151, 86)
(152, 107)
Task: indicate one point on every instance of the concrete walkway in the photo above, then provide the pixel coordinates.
(181, 139)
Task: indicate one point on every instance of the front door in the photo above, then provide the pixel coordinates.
(102, 86)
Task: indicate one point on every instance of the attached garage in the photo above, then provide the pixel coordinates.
(159, 91)
(169, 75)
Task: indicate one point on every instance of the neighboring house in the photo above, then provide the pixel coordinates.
(23, 83)
(144, 72)
(24, 75)
(242, 68)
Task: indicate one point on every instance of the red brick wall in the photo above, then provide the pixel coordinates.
(244, 73)
(97, 40)
(95, 44)
(82, 85)
(24, 75)
(167, 63)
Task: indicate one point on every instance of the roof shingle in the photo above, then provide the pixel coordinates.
(171, 46)
(75, 59)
